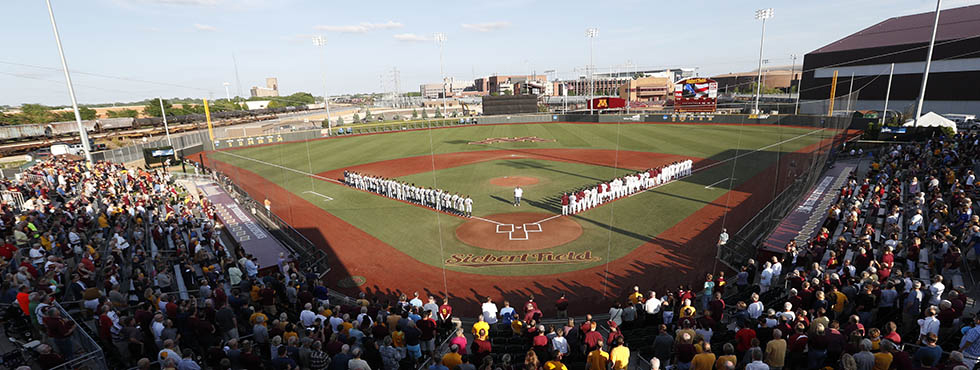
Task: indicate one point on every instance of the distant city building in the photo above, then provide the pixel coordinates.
(869, 53)
(648, 89)
(271, 88)
(782, 77)
(508, 84)
(436, 90)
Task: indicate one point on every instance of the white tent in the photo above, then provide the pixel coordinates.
(932, 119)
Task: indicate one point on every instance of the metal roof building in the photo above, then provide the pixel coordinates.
(867, 55)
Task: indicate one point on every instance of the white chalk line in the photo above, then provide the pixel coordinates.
(313, 192)
(283, 167)
(717, 182)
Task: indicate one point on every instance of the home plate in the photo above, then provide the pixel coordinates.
(518, 228)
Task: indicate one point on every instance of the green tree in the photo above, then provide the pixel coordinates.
(325, 123)
(123, 113)
(357, 118)
(152, 108)
(438, 113)
(275, 104)
(222, 105)
(415, 113)
(367, 114)
(425, 115)
(36, 113)
(340, 121)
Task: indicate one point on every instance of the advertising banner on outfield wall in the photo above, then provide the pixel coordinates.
(696, 94)
(607, 103)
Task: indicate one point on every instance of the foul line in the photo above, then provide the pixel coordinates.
(313, 192)
(716, 183)
(487, 220)
(283, 167)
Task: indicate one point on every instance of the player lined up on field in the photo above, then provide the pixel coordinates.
(592, 196)
(434, 198)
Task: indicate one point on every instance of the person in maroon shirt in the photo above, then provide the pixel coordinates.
(480, 348)
(561, 305)
(592, 338)
(743, 339)
(446, 313)
(268, 297)
(428, 328)
(717, 307)
(533, 313)
(60, 330)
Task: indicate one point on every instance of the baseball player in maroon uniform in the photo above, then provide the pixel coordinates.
(564, 204)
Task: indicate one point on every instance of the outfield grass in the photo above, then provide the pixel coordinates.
(610, 231)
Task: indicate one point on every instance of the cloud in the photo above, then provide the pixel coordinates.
(363, 27)
(486, 26)
(205, 27)
(410, 37)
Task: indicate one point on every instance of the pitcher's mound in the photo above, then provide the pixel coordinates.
(519, 231)
(512, 181)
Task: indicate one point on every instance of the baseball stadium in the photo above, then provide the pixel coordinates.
(666, 234)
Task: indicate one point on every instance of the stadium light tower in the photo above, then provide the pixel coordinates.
(227, 93)
(82, 135)
(925, 74)
(440, 39)
(591, 33)
(320, 42)
(762, 14)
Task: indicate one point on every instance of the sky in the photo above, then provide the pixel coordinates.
(128, 50)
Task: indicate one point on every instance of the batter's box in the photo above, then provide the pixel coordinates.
(510, 228)
(518, 232)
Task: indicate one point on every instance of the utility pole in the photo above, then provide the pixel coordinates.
(850, 90)
(925, 74)
(591, 33)
(82, 135)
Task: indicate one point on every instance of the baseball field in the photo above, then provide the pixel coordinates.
(661, 237)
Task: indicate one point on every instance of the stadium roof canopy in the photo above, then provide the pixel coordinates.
(956, 23)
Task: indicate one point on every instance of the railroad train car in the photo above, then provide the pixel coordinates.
(55, 129)
(105, 124)
(19, 132)
(68, 127)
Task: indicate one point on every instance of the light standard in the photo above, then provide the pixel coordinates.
(925, 74)
(227, 94)
(792, 76)
(440, 39)
(83, 136)
(762, 14)
(320, 42)
(591, 33)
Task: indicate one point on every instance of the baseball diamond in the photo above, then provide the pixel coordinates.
(400, 244)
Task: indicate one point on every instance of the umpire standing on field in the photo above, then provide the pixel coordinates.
(518, 193)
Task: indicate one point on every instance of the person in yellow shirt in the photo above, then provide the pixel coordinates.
(452, 358)
(480, 324)
(687, 310)
(598, 359)
(103, 221)
(705, 359)
(517, 326)
(637, 297)
(729, 356)
(346, 325)
(883, 359)
(775, 355)
(620, 355)
(555, 363)
(398, 338)
(254, 319)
